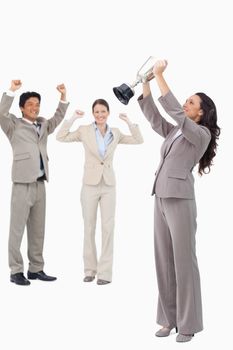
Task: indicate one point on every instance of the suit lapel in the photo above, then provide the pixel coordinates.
(112, 145)
(42, 130)
(42, 126)
(169, 142)
(32, 128)
(92, 141)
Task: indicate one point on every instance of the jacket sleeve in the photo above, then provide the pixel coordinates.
(152, 114)
(64, 134)
(196, 134)
(58, 117)
(7, 120)
(134, 138)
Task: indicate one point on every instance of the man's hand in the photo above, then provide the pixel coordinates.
(15, 85)
(62, 89)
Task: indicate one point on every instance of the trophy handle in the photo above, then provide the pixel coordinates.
(142, 78)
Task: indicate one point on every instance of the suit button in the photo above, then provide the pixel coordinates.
(102, 163)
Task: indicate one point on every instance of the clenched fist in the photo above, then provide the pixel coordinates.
(62, 89)
(124, 117)
(15, 85)
(160, 67)
(78, 114)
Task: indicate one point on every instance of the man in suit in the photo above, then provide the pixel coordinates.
(28, 137)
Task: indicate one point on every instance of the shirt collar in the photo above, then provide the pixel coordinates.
(108, 130)
(27, 121)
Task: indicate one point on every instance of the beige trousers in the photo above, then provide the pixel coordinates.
(27, 209)
(105, 196)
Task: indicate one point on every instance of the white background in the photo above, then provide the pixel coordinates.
(92, 46)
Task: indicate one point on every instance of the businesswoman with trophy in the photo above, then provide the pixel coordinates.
(190, 142)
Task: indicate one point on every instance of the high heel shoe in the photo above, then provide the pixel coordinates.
(164, 332)
(184, 338)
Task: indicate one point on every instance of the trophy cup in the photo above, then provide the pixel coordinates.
(124, 92)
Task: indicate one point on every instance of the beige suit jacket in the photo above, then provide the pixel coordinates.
(95, 167)
(174, 176)
(25, 143)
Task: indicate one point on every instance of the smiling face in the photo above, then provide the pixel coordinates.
(100, 113)
(192, 108)
(31, 108)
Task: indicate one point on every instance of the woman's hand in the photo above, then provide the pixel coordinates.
(124, 117)
(78, 114)
(150, 77)
(159, 67)
(158, 70)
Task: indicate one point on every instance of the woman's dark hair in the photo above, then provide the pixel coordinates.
(209, 120)
(100, 101)
(26, 95)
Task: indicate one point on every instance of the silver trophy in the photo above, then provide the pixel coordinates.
(124, 92)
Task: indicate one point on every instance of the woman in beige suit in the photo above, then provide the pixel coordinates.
(191, 141)
(100, 142)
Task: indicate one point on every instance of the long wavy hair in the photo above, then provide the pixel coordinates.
(209, 120)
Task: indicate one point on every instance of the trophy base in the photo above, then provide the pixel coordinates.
(123, 93)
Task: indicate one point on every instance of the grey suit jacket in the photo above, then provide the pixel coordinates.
(95, 167)
(174, 176)
(25, 143)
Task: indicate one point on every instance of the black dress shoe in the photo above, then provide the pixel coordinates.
(18, 278)
(40, 275)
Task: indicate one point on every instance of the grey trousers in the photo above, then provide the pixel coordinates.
(27, 209)
(104, 196)
(179, 301)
